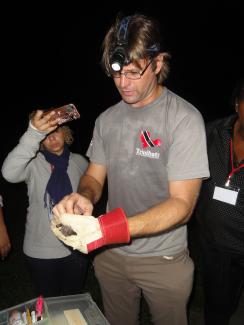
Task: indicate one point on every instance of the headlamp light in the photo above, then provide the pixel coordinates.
(119, 58)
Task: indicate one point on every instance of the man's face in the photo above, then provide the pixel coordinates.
(54, 142)
(138, 92)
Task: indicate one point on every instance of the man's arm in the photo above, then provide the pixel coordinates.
(89, 192)
(114, 227)
(173, 212)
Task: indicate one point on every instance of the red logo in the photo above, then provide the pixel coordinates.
(147, 141)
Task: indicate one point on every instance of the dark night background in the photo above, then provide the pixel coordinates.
(51, 56)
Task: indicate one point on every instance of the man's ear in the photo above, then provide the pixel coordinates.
(159, 62)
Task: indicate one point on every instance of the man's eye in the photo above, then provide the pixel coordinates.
(132, 74)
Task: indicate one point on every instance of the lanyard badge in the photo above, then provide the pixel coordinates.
(227, 193)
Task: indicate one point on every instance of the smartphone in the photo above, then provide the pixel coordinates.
(65, 113)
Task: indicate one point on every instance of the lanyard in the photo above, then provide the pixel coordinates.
(233, 169)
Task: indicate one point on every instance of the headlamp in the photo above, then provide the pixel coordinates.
(119, 53)
(119, 58)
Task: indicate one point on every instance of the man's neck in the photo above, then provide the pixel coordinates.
(157, 91)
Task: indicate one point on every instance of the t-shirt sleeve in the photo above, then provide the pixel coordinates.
(188, 151)
(96, 151)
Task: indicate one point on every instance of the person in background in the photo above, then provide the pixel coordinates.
(220, 214)
(5, 244)
(151, 147)
(42, 160)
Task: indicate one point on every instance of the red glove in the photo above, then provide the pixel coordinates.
(87, 233)
(114, 228)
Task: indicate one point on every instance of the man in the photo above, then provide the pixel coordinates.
(151, 147)
(220, 214)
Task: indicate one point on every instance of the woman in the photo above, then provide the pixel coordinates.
(220, 215)
(43, 161)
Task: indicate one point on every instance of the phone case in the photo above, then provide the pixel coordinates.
(66, 113)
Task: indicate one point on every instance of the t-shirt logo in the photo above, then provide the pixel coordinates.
(147, 141)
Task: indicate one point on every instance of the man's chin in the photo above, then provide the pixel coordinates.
(129, 100)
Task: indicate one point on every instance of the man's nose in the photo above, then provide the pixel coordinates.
(123, 80)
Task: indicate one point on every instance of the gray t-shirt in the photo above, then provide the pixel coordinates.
(144, 148)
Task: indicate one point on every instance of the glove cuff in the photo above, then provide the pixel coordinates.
(114, 226)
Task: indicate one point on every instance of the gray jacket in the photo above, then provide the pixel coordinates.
(25, 163)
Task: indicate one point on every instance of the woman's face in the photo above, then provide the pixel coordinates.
(240, 112)
(55, 141)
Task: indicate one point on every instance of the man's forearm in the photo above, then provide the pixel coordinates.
(90, 188)
(159, 218)
(167, 215)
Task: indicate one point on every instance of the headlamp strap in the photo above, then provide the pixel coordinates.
(122, 32)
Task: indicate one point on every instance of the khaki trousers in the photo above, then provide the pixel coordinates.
(165, 283)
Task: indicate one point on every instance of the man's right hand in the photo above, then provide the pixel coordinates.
(73, 203)
(87, 233)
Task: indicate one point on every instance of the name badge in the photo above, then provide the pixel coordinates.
(227, 195)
